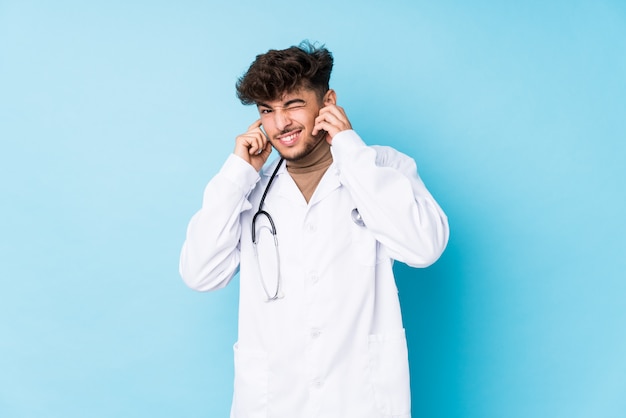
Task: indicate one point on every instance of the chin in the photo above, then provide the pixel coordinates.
(293, 155)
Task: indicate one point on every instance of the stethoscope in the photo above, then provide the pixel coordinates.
(277, 294)
(262, 213)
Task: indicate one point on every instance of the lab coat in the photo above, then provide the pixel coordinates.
(333, 345)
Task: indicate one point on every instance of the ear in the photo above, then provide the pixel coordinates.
(330, 97)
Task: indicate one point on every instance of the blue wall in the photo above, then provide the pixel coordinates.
(113, 115)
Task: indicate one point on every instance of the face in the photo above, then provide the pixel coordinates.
(289, 121)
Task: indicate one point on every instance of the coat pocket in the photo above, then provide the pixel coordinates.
(251, 384)
(389, 374)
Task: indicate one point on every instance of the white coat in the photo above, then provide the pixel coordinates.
(334, 345)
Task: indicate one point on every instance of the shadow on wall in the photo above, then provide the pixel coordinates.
(431, 301)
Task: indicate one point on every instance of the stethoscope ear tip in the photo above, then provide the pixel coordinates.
(356, 217)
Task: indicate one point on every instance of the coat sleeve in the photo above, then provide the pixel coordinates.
(393, 201)
(210, 254)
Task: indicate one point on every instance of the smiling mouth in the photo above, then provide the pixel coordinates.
(290, 138)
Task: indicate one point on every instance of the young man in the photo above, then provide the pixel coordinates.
(313, 236)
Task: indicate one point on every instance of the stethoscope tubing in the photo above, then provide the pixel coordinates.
(261, 212)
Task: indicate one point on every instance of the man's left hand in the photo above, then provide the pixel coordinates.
(333, 120)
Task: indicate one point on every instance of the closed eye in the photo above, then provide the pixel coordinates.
(295, 107)
(290, 106)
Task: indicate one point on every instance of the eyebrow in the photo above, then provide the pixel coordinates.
(286, 104)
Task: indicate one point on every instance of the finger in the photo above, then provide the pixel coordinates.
(250, 141)
(336, 111)
(257, 143)
(329, 118)
(267, 149)
(338, 118)
(321, 123)
(321, 126)
(332, 128)
(262, 143)
(258, 159)
(255, 125)
(261, 156)
(331, 108)
(329, 123)
(325, 127)
(263, 132)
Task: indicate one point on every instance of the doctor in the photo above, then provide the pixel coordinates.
(313, 235)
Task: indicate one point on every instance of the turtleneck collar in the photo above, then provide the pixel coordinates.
(308, 171)
(319, 158)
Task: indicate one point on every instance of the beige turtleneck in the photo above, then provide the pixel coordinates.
(308, 171)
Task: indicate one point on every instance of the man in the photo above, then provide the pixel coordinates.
(313, 236)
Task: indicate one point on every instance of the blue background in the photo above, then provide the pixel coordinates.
(114, 115)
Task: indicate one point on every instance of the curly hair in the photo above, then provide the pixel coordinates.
(282, 71)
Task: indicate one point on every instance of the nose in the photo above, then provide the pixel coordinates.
(281, 119)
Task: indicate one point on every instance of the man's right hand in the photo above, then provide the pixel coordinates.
(253, 146)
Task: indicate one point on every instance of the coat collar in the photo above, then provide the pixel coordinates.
(286, 187)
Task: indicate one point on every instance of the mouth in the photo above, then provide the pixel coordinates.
(289, 138)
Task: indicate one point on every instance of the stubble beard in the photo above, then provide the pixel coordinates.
(310, 146)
